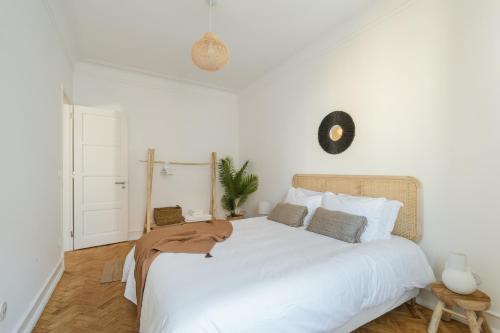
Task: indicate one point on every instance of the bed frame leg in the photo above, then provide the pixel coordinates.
(411, 305)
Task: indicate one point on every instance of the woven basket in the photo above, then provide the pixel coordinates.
(168, 215)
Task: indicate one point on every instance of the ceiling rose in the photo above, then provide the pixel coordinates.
(210, 53)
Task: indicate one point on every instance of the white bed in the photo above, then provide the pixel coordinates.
(269, 277)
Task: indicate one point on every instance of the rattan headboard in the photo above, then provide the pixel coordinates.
(404, 189)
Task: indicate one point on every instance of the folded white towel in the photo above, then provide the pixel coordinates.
(196, 212)
(196, 218)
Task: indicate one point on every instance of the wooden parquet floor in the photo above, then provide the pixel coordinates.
(81, 303)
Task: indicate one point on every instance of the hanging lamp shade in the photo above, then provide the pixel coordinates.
(210, 53)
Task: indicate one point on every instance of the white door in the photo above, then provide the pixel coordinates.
(101, 177)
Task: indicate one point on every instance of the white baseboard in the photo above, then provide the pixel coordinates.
(493, 319)
(428, 300)
(135, 235)
(41, 299)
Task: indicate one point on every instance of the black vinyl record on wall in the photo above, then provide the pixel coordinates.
(336, 132)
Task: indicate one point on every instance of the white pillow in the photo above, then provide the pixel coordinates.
(299, 197)
(391, 211)
(308, 192)
(371, 208)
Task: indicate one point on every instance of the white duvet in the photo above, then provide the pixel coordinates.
(268, 277)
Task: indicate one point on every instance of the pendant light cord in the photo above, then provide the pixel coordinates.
(210, 16)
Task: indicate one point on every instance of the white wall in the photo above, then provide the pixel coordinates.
(33, 67)
(422, 86)
(182, 122)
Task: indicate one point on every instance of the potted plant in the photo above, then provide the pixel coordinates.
(237, 185)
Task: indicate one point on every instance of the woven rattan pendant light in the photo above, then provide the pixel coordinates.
(210, 53)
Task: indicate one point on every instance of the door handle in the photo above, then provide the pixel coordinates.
(119, 183)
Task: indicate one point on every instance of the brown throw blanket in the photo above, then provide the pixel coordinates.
(197, 237)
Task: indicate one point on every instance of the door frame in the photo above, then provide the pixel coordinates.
(67, 174)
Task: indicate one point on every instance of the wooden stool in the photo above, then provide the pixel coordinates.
(473, 306)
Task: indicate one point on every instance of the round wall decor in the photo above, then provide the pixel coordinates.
(336, 132)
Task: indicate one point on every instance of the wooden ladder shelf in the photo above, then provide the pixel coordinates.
(150, 162)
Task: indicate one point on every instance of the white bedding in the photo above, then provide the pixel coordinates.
(268, 277)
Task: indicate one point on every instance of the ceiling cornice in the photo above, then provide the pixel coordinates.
(139, 78)
(325, 46)
(156, 75)
(69, 47)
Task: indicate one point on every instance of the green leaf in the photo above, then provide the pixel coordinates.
(249, 184)
(237, 185)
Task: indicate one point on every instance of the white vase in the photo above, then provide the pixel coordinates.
(457, 275)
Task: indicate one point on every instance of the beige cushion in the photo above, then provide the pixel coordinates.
(339, 225)
(292, 215)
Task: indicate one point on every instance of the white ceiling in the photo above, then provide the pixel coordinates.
(155, 36)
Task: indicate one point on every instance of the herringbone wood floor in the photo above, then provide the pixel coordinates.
(81, 304)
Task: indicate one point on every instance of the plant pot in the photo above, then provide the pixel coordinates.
(235, 217)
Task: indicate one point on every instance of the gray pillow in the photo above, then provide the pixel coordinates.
(292, 215)
(339, 225)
